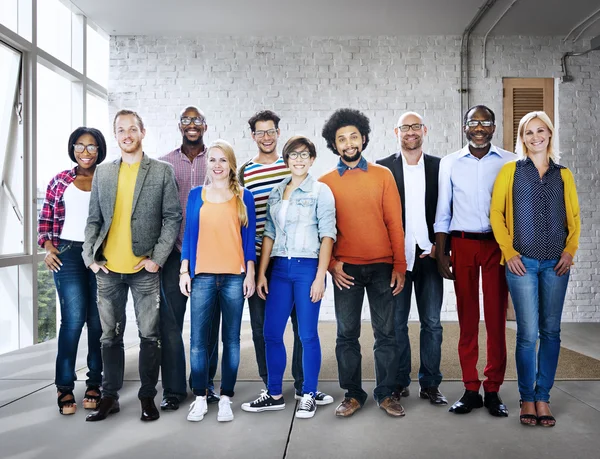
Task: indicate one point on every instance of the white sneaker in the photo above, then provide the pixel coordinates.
(225, 414)
(307, 407)
(198, 408)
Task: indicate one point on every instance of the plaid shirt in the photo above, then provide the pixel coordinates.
(52, 215)
(188, 175)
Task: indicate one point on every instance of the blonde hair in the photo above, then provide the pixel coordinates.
(234, 184)
(521, 148)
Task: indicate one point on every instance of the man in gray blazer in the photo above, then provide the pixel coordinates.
(133, 222)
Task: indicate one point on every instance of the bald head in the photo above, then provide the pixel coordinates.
(410, 131)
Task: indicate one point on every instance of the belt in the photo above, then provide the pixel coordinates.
(489, 236)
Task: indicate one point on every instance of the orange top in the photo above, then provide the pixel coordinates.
(369, 217)
(219, 249)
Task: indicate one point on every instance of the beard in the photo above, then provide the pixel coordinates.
(351, 158)
(187, 141)
(484, 143)
(413, 144)
(131, 148)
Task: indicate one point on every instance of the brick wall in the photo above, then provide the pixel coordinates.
(305, 79)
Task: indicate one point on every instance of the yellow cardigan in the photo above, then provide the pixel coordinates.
(502, 218)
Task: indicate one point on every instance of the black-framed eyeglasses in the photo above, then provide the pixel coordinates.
(407, 127)
(79, 148)
(299, 154)
(475, 123)
(197, 120)
(261, 134)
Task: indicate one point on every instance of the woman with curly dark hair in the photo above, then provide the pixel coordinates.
(61, 227)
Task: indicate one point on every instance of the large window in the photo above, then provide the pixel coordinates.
(46, 91)
(12, 229)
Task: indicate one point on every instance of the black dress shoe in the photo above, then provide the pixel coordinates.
(212, 397)
(494, 404)
(149, 411)
(434, 395)
(107, 405)
(169, 404)
(470, 400)
(400, 392)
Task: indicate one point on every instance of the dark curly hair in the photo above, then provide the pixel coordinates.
(264, 115)
(96, 134)
(474, 108)
(342, 118)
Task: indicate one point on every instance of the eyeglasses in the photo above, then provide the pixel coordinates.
(475, 123)
(261, 134)
(299, 154)
(79, 148)
(197, 120)
(408, 127)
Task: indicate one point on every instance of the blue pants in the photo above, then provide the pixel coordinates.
(538, 297)
(172, 312)
(76, 287)
(429, 292)
(207, 291)
(291, 279)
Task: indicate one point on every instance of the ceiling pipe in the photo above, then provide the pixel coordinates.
(484, 69)
(580, 24)
(585, 28)
(594, 46)
(464, 59)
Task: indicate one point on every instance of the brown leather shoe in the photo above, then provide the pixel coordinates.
(107, 405)
(348, 407)
(391, 406)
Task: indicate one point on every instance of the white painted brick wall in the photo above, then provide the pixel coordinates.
(305, 79)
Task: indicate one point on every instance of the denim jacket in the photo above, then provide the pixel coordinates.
(310, 217)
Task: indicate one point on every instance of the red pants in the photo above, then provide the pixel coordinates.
(468, 257)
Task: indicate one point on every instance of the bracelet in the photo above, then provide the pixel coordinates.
(181, 273)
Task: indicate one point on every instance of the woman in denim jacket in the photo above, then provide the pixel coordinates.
(299, 234)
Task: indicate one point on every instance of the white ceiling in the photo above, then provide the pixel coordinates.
(335, 17)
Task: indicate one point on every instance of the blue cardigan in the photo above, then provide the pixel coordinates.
(192, 228)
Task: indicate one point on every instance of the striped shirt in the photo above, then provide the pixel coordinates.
(260, 179)
(540, 226)
(188, 175)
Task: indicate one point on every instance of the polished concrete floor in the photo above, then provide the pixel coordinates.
(30, 426)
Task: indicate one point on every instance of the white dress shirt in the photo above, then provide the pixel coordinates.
(465, 190)
(415, 231)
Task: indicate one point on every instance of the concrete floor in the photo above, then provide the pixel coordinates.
(30, 426)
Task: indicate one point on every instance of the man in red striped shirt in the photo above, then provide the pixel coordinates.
(260, 175)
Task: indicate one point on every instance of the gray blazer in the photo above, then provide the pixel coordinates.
(155, 216)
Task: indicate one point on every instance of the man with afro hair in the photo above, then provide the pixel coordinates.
(368, 255)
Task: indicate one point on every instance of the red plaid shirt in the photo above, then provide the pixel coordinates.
(188, 175)
(52, 215)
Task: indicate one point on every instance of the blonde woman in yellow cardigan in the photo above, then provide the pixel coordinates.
(535, 219)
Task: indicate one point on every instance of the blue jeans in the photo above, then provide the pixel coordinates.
(257, 306)
(289, 285)
(207, 290)
(172, 311)
(538, 297)
(112, 301)
(429, 292)
(76, 287)
(375, 278)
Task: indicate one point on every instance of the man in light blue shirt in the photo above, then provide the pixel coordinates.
(466, 180)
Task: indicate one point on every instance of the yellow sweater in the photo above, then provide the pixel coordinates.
(502, 218)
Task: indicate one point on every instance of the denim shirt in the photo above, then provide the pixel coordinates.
(310, 217)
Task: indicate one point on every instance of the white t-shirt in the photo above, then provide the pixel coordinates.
(77, 203)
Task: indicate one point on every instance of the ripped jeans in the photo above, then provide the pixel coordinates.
(112, 301)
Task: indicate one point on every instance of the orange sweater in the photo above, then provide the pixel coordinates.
(369, 217)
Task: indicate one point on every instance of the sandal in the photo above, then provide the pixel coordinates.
(66, 405)
(546, 420)
(91, 399)
(526, 419)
